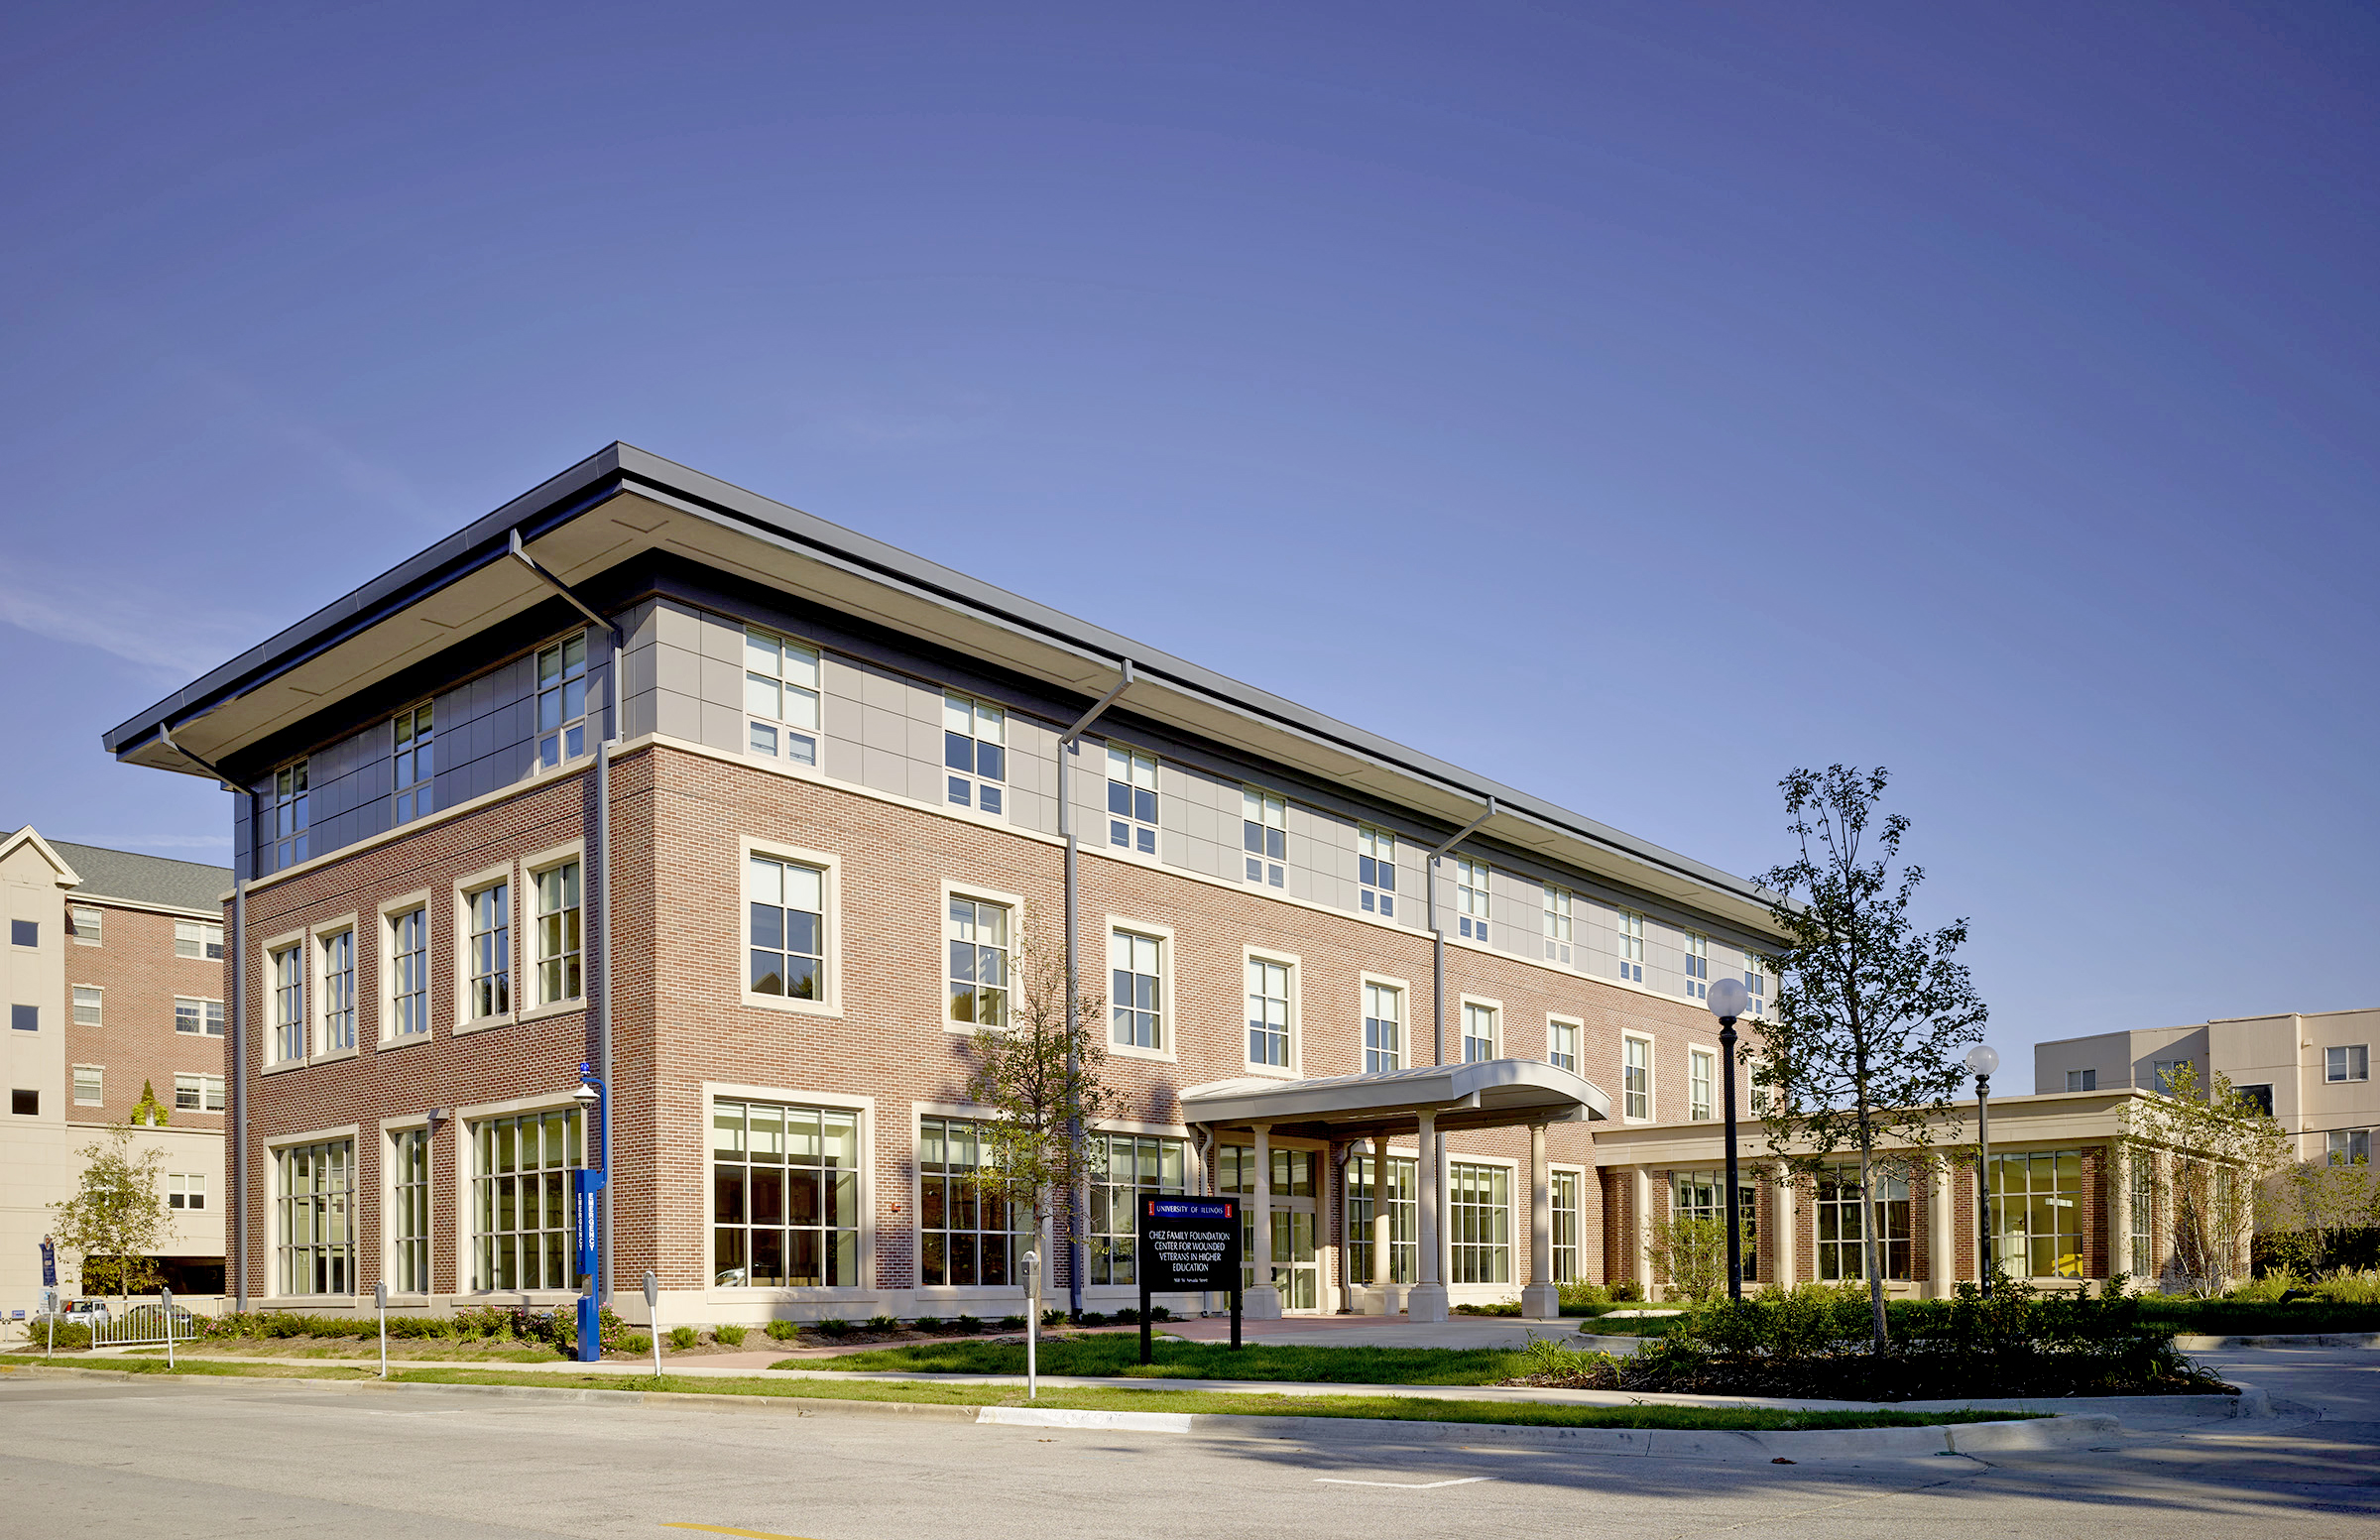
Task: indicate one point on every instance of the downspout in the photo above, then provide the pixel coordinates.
(1438, 1021)
(1073, 1122)
(239, 1088)
(1206, 1180)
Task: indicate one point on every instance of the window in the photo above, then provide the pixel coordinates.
(283, 816)
(1479, 1222)
(1135, 964)
(86, 1005)
(317, 1202)
(2165, 1070)
(199, 1018)
(1700, 1071)
(978, 936)
(521, 1200)
(1840, 1240)
(562, 700)
(86, 925)
(1376, 869)
(1264, 835)
(1479, 1033)
(1755, 981)
(788, 929)
(286, 977)
(1133, 800)
(785, 1196)
(409, 1216)
(2038, 1213)
(558, 933)
(338, 992)
(1697, 1194)
(23, 932)
(186, 1190)
(1471, 899)
(2082, 1080)
(489, 951)
(408, 972)
(198, 938)
(1125, 1167)
(1698, 966)
(1635, 1078)
(1565, 1228)
(1562, 1045)
(1629, 941)
(25, 1104)
(417, 762)
(1557, 923)
(966, 1236)
(2258, 1096)
(1383, 1028)
(2143, 1217)
(1267, 1013)
(1362, 1192)
(2349, 1146)
(86, 1086)
(25, 1018)
(199, 1093)
(781, 697)
(2353, 1062)
(1292, 1171)
(975, 736)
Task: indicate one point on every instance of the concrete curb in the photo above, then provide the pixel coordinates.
(2296, 1340)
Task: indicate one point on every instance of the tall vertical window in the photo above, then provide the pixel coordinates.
(1567, 1224)
(781, 697)
(785, 1196)
(199, 1093)
(1383, 1028)
(1133, 800)
(1136, 966)
(2349, 1063)
(489, 951)
(317, 1203)
(521, 1200)
(2143, 1180)
(88, 926)
(975, 736)
(1363, 1191)
(967, 1234)
(1376, 869)
(198, 938)
(1479, 1033)
(1480, 1223)
(1125, 1166)
(1635, 1078)
(408, 972)
(87, 1005)
(416, 762)
(286, 976)
(338, 992)
(559, 940)
(2036, 1201)
(562, 700)
(285, 817)
(1629, 941)
(1698, 1195)
(1755, 981)
(1557, 915)
(1698, 966)
(1267, 1013)
(86, 1086)
(1264, 835)
(1700, 1071)
(788, 929)
(1471, 899)
(1562, 1045)
(409, 1216)
(1841, 1239)
(199, 1018)
(977, 934)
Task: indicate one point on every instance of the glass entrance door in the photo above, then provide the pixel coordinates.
(1295, 1270)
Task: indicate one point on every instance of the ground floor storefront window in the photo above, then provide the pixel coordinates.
(967, 1229)
(1128, 1165)
(521, 1200)
(1842, 1237)
(785, 1196)
(1363, 1191)
(1695, 1195)
(316, 1186)
(2037, 1212)
(1480, 1223)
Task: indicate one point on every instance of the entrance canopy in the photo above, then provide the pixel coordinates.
(1488, 1094)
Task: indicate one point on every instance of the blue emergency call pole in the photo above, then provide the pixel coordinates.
(587, 1184)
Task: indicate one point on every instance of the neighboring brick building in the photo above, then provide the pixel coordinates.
(832, 806)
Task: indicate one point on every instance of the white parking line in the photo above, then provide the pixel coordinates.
(1460, 1480)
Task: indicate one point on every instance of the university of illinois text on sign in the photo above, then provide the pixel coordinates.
(1189, 1244)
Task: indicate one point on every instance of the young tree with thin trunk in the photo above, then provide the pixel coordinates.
(1860, 1052)
(2222, 1149)
(116, 1218)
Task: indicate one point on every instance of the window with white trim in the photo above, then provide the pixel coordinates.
(1133, 800)
(408, 972)
(1635, 1077)
(1701, 1070)
(1267, 1013)
(197, 1093)
(198, 938)
(562, 700)
(87, 1004)
(1562, 1045)
(558, 940)
(2347, 1147)
(1557, 908)
(1264, 835)
(2143, 1217)
(283, 815)
(785, 1196)
(976, 933)
(1568, 1219)
(781, 697)
(315, 1195)
(2349, 1063)
(1756, 979)
(1629, 941)
(87, 1091)
(975, 737)
(1471, 899)
(967, 1231)
(1699, 1195)
(1697, 966)
(1480, 1223)
(86, 925)
(338, 992)
(2082, 1080)
(285, 974)
(1126, 1165)
(1841, 1242)
(409, 1218)
(1136, 973)
(1376, 869)
(488, 952)
(787, 928)
(415, 761)
(194, 1017)
(186, 1190)
(1479, 1033)
(521, 1200)
(1362, 1192)
(1383, 1028)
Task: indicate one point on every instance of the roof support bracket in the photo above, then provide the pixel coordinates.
(562, 588)
(1123, 683)
(164, 735)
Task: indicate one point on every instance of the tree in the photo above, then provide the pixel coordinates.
(148, 1112)
(1039, 1070)
(1860, 1049)
(116, 1217)
(1691, 1253)
(2221, 1147)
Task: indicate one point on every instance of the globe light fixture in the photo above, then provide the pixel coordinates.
(1729, 998)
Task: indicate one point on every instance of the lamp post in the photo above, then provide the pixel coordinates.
(1729, 998)
(1983, 1059)
(588, 1181)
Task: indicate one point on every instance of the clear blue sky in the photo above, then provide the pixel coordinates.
(1627, 403)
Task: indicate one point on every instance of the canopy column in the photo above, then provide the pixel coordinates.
(1263, 1300)
(1540, 1298)
(1426, 1300)
(1379, 1304)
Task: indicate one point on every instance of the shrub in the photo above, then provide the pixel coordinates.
(883, 1323)
(927, 1323)
(1129, 1316)
(730, 1336)
(1582, 1299)
(1160, 1313)
(1503, 1307)
(2350, 1288)
(969, 1324)
(683, 1337)
(635, 1341)
(1012, 1323)
(831, 1326)
(1054, 1317)
(781, 1330)
(1626, 1291)
(1092, 1318)
(70, 1337)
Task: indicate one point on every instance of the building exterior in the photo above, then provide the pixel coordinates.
(2311, 1071)
(762, 819)
(114, 981)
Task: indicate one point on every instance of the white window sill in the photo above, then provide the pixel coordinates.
(406, 1040)
(792, 1007)
(483, 1024)
(561, 1007)
(1154, 1055)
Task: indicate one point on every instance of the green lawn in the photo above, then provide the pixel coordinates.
(1119, 1357)
(1237, 1403)
(2251, 1318)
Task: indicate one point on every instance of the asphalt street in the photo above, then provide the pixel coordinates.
(230, 1458)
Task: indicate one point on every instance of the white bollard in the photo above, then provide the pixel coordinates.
(652, 1312)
